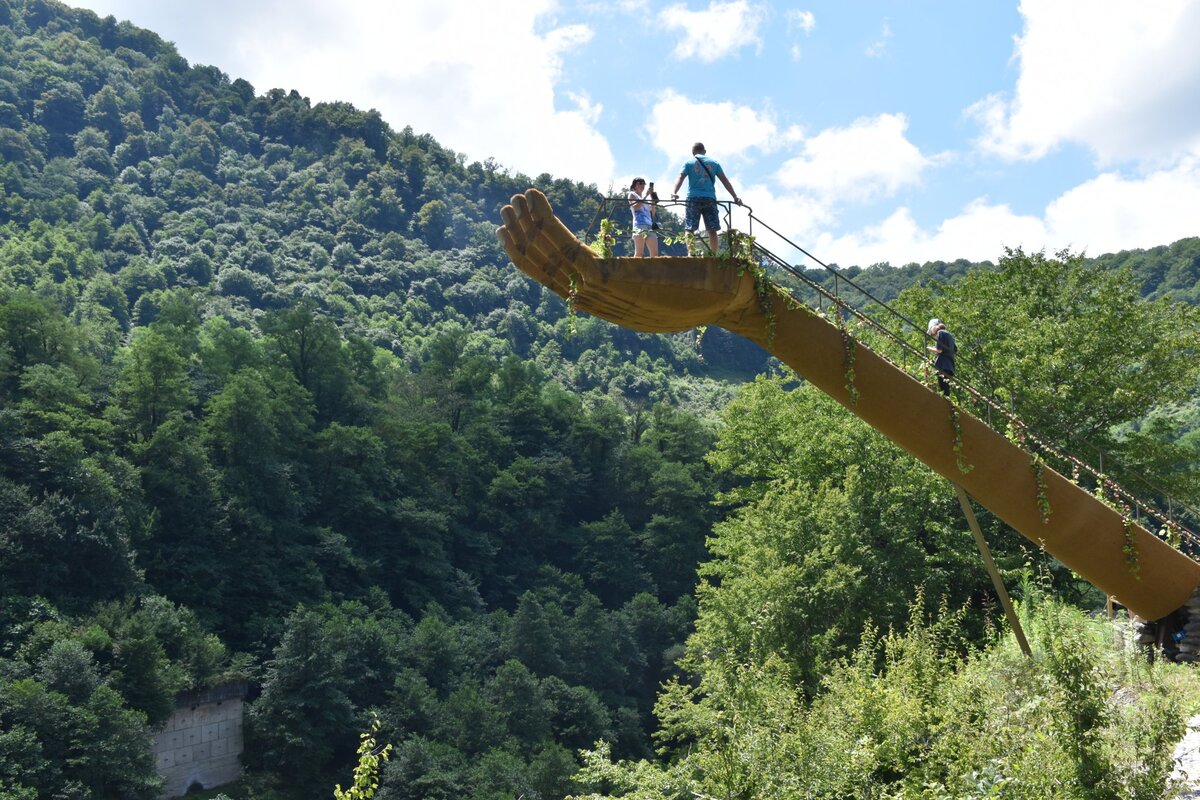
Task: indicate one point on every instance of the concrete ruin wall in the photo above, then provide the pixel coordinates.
(201, 743)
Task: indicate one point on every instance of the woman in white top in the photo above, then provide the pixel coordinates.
(643, 219)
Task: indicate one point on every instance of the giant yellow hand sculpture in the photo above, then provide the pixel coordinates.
(633, 292)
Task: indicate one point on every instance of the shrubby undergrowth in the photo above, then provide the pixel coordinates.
(923, 714)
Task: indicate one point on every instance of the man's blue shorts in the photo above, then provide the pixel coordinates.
(701, 207)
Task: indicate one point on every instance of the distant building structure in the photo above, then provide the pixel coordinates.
(200, 746)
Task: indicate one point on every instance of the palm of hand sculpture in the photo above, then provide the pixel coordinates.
(633, 292)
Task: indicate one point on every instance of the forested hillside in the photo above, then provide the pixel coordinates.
(274, 405)
(1167, 271)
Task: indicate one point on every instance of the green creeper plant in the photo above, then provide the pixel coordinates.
(572, 300)
(366, 773)
(1015, 433)
(956, 426)
(1129, 548)
(1039, 476)
(605, 239)
(850, 347)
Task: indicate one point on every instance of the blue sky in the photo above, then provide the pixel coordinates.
(867, 131)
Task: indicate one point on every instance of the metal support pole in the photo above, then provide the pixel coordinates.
(990, 565)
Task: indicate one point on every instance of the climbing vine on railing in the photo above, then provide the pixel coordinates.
(740, 252)
(762, 286)
(956, 426)
(1129, 547)
(1172, 533)
(1039, 476)
(572, 299)
(606, 239)
(850, 348)
(1015, 433)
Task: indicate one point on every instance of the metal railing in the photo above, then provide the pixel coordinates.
(912, 359)
(618, 207)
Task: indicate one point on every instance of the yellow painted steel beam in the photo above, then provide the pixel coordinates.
(662, 295)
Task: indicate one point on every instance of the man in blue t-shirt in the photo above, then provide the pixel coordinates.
(702, 173)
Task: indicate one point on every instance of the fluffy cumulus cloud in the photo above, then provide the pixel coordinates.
(869, 159)
(1103, 215)
(801, 217)
(716, 32)
(1115, 76)
(1112, 212)
(483, 78)
(730, 130)
(979, 233)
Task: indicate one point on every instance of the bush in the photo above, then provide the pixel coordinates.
(920, 714)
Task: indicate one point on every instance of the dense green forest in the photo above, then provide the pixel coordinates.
(275, 406)
(1167, 271)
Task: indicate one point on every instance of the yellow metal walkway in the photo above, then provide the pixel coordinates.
(673, 294)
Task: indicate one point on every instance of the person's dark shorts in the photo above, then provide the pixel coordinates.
(698, 207)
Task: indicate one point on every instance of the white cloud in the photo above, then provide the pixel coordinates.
(483, 78)
(804, 20)
(477, 76)
(1118, 77)
(878, 47)
(728, 130)
(721, 30)
(978, 233)
(871, 158)
(799, 217)
(1111, 212)
(1103, 215)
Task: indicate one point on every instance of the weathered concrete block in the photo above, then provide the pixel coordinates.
(200, 744)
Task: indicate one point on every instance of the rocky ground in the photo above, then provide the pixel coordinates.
(1187, 761)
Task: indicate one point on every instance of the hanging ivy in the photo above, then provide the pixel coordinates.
(762, 285)
(1039, 475)
(740, 252)
(1130, 548)
(1015, 433)
(606, 239)
(850, 349)
(956, 426)
(1172, 533)
(572, 299)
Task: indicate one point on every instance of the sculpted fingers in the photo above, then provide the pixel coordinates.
(637, 294)
(522, 239)
(510, 233)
